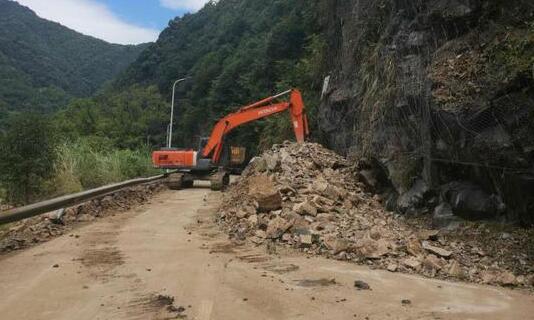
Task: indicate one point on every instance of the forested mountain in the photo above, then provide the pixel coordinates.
(43, 64)
(434, 97)
(236, 51)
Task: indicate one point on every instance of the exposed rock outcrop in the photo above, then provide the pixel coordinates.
(434, 92)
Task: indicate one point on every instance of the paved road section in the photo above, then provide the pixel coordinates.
(167, 260)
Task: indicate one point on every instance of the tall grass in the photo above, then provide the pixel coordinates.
(84, 165)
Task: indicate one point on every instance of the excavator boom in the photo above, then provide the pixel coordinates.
(256, 111)
(200, 165)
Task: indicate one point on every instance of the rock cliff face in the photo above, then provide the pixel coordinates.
(435, 99)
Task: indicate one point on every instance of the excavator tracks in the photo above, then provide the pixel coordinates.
(179, 181)
(219, 180)
(175, 181)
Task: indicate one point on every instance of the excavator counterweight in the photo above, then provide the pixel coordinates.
(206, 164)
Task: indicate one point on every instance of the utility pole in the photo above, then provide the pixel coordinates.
(169, 138)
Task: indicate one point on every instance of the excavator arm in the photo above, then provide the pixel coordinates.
(256, 111)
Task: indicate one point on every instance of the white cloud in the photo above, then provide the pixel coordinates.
(91, 18)
(192, 5)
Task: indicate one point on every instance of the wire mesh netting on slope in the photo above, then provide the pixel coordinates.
(439, 93)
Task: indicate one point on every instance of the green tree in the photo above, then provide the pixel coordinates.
(27, 155)
(236, 52)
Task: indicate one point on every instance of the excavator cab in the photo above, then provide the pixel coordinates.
(233, 158)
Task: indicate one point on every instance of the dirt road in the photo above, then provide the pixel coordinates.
(131, 265)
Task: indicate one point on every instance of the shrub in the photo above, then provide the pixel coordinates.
(27, 156)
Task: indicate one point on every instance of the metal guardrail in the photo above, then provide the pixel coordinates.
(39, 208)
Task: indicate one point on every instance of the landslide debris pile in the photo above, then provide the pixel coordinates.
(307, 197)
(39, 229)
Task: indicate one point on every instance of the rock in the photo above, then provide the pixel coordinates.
(488, 277)
(335, 244)
(260, 234)
(428, 235)
(369, 179)
(253, 219)
(361, 285)
(56, 217)
(506, 279)
(413, 247)
(272, 161)
(241, 214)
(506, 236)
(258, 164)
(305, 208)
(412, 263)
(325, 212)
(286, 237)
(392, 267)
(377, 233)
(469, 201)
(262, 189)
(305, 240)
(432, 262)
(326, 189)
(287, 189)
(55, 266)
(257, 240)
(414, 198)
(322, 204)
(455, 270)
(436, 250)
(277, 227)
(348, 204)
(107, 202)
(372, 249)
(444, 218)
(406, 302)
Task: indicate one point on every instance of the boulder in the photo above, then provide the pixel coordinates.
(326, 189)
(413, 247)
(272, 161)
(253, 219)
(428, 235)
(277, 227)
(436, 250)
(431, 262)
(470, 202)
(392, 267)
(368, 178)
(258, 164)
(336, 245)
(488, 277)
(372, 249)
(263, 190)
(241, 214)
(455, 269)
(506, 279)
(414, 198)
(412, 263)
(305, 240)
(444, 218)
(305, 208)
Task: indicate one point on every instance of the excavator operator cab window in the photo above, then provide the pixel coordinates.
(203, 141)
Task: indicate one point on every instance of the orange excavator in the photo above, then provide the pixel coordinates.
(208, 163)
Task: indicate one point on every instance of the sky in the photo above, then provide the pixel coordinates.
(115, 21)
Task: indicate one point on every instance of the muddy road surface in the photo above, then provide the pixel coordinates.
(167, 259)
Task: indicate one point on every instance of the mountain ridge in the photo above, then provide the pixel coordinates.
(44, 64)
